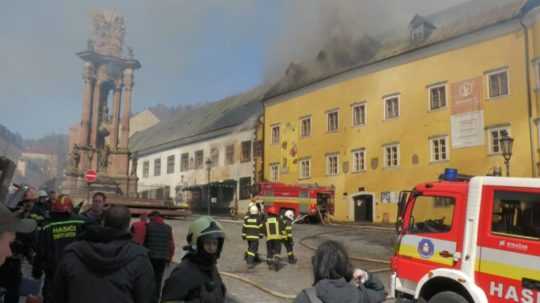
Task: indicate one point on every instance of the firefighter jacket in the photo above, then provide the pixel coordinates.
(252, 228)
(287, 229)
(54, 235)
(273, 228)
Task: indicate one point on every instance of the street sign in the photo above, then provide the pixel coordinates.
(90, 176)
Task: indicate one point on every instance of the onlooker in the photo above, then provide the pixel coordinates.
(138, 229)
(43, 205)
(95, 213)
(57, 232)
(106, 265)
(196, 278)
(10, 266)
(336, 281)
(9, 225)
(160, 243)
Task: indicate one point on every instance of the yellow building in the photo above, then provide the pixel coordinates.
(438, 94)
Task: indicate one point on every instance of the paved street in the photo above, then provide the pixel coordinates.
(291, 279)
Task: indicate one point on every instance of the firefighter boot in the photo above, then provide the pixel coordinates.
(292, 259)
(277, 262)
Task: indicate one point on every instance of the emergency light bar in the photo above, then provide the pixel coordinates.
(452, 175)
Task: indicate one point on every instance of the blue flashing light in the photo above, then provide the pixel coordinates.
(450, 174)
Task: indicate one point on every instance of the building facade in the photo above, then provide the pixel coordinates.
(443, 99)
(206, 155)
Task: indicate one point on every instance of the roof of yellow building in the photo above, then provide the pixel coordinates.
(455, 21)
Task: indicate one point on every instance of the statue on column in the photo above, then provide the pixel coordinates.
(75, 157)
(103, 158)
(134, 166)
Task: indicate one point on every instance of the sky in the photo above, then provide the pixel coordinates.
(191, 51)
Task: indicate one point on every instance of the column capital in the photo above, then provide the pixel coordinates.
(118, 85)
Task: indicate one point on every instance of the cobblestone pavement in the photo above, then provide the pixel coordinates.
(291, 279)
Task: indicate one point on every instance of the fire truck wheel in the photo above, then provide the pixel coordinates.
(447, 297)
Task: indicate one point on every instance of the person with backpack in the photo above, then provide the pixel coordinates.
(273, 230)
(252, 232)
(335, 280)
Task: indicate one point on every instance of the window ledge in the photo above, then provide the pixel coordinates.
(391, 119)
(498, 98)
(492, 154)
(391, 167)
(438, 109)
(305, 178)
(359, 172)
(360, 125)
(439, 161)
(332, 131)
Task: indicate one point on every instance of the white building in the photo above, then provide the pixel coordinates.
(177, 158)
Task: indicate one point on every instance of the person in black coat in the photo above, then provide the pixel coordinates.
(105, 266)
(160, 243)
(196, 278)
(336, 281)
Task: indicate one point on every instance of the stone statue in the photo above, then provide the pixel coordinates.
(108, 32)
(134, 166)
(130, 55)
(75, 157)
(103, 158)
(90, 45)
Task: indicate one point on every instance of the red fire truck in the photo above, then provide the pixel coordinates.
(303, 199)
(469, 240)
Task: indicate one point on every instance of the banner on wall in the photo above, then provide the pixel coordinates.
(467, 120)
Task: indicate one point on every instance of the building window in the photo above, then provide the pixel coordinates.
(157, 167)
(439, 148)
(332, 165)
(275, 134)
(359, 114)
(199, 159)
(391, 107)
(170, 164)
(245, 188)
(214, 156)
(391, 155)
(274, 172)
(333, 121)
(184, 162)
(305, 168)
(246, 151)
(498, 83)
(146, 169)
(495, 135)
(437, 97)
(358, 160)
(229, 154)
(305, 130)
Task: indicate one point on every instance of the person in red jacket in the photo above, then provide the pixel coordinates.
(138, 229)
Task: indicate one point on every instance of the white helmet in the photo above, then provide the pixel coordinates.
(42, 194)
(289, 214)
(253, 210)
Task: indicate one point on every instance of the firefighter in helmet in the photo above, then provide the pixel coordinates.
(55, 234)
(272, 229)
(288, 218)
(196, 278)
(251, 232)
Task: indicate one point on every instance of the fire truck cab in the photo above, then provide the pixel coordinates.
(469, 240)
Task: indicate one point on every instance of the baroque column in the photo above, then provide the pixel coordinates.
(116, 113)
(84, 131)
(128, 87)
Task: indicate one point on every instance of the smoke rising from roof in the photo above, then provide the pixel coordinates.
(313, 25)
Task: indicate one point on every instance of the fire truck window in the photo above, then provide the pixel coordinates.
(432, 215)
(516, 214)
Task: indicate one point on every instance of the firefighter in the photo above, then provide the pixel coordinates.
(272, 229)
(56, 233)
(288, 242)
(196, 278)
(251, 232)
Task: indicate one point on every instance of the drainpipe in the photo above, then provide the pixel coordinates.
(529, 96)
